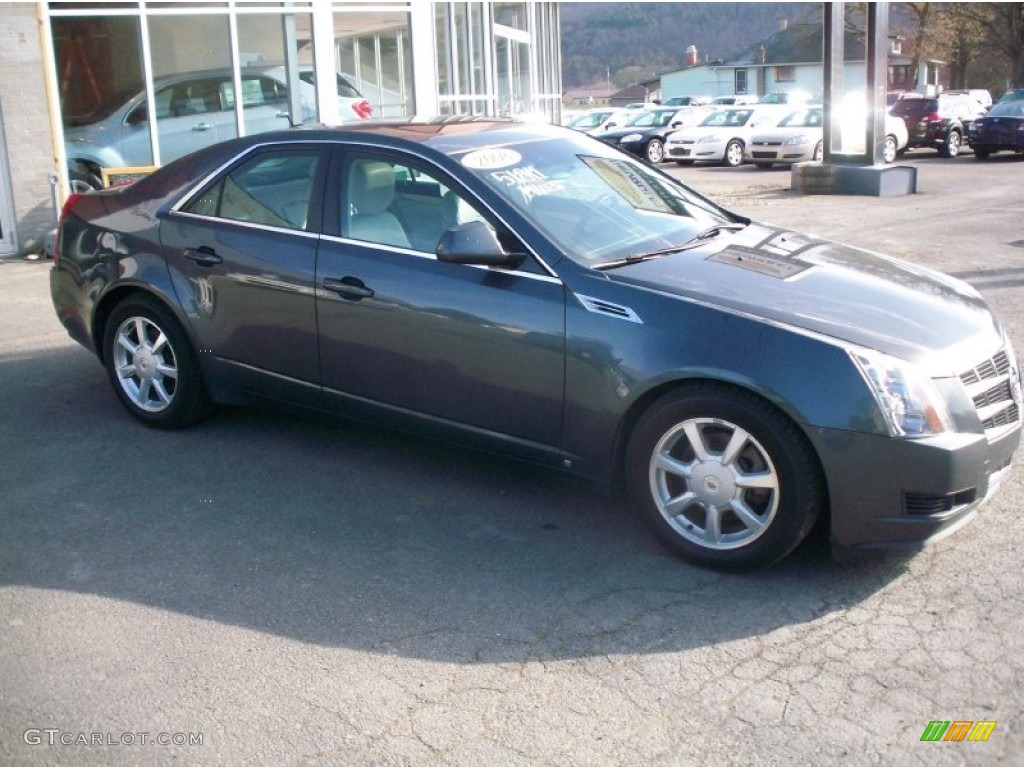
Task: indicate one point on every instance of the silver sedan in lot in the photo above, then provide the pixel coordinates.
(799, 138)
(721, 137)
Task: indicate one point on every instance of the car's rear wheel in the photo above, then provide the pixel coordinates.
(722, 478)
(733, 155)
(952, 145)
(152, 365)
(82, 180)
(655, 151)
(889, 149)
(819, 152)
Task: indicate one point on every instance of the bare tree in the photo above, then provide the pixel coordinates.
(1003, 25)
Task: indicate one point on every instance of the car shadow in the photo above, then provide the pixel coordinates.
(341, 534)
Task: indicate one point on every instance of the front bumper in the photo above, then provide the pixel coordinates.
(695, 151)
(896, 493)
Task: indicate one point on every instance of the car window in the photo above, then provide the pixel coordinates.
(728, 117)
(274, 188)
(400, 205)
(256, 92)
(804, 118)
(196, 97)
(914, 107)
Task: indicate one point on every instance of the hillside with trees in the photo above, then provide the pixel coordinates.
(629, 43)
(626, 43)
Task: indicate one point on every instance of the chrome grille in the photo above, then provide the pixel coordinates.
(991, 387)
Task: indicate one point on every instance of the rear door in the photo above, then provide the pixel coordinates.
(242, 255)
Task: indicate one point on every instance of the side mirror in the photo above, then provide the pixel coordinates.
(475, 243)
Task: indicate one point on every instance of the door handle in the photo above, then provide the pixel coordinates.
(348, 288)
(202, 127)
(204, 256)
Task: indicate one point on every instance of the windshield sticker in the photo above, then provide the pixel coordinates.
(489, 159)
(629, 183)
(758, 261)
(529, 182)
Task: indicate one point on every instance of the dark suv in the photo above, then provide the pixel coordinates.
(939, 122)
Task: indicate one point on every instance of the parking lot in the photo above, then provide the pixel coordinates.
(297, 591)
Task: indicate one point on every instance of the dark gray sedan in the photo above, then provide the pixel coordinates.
(532, 291)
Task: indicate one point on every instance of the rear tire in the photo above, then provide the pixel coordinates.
(723, 479)
(952, 146)
(152, 365)
(889, 149)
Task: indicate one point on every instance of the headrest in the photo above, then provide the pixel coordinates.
(371, 186)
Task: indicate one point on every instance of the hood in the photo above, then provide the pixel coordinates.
(618, 133)
(843, 292)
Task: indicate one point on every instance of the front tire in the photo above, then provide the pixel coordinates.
(819, 152)
(733, 155)
(723, 479)
(655, 151)
(152, 366)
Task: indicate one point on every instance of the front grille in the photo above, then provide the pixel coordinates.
(763, 155)
(991, 385)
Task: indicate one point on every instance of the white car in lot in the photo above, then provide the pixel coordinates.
(799, 137)
(721, 137)
(597, 121)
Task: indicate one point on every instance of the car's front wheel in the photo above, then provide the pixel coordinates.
(952, 145)
(655, 151)
(722, 478)
(152, 365)
(819, 152)
(889, 149)
(733, 155)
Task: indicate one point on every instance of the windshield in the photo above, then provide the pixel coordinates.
(596, 204)
(591, 120)
(728, 117)
(1007, 109)
(803, 118)
(652, 119)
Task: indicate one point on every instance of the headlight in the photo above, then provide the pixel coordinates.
(630, 138)
(907, 397)
(798, 140)
(707, 139)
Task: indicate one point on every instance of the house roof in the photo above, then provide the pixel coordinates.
(632, 92)
(798, 44)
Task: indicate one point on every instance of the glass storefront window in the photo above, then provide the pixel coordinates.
(373, 55)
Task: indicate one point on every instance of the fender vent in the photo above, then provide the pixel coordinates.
(602, 307)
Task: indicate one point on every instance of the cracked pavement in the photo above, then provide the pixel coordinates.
(356, 597)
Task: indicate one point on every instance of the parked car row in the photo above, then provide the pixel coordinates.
(763, 133)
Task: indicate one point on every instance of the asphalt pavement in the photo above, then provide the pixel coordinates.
(261, 589)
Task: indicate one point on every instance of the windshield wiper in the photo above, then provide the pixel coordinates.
(693, 242)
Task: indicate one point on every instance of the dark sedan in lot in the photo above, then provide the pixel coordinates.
(644, 135)
(1001, 129)
(531, 291)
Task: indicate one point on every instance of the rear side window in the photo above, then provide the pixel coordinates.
(915, 107)
(272, 188)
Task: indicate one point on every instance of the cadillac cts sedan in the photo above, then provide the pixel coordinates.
(532, 291)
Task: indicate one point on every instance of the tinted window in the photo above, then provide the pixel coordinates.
(273, 188)
(1008, 109)
(915, 107)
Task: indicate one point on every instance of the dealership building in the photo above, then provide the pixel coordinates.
(77, 81)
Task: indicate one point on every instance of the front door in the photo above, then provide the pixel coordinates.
(479, 348)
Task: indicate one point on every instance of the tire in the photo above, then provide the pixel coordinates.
(889, 149)
(764, 166)
(695, 506)
(981, 154)
(152, 365)
(733, 155)
(655, 151)
(952, 146)
(819, 152)
(81, 179)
